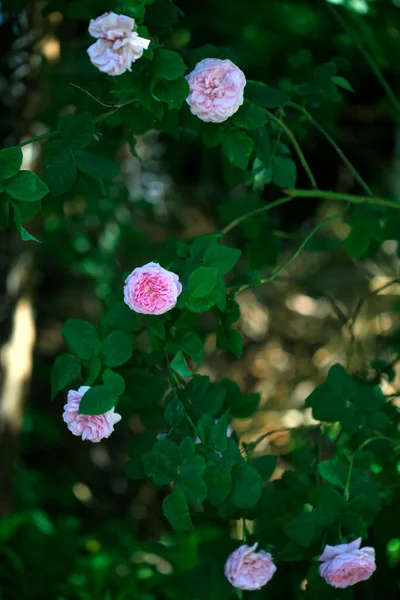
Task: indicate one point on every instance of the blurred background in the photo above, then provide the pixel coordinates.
(71, 525)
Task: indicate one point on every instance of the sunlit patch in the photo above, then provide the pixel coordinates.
(82, 492)
(162, 565)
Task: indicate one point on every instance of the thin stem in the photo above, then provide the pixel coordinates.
(99, 119)
(295, 145)
(296, 254)
(374, 200)
(38, 138)
(336, 196)
(255, 212)
(361, 301)
(253, 445)
(332, 142)
(378, 73)
(361, 447)
(319, 453)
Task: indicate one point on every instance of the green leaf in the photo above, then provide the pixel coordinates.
(113, 382)
(218, 435)
(205, 397)
(193, 488)
(265, 465)
(25, 235)
(186, 448)
(219, 483)
(173, 93)
(237, 147)
(117, 348)
(334, 471)
(26, 187)
(202, 282)
(179, 365)
(343, 83)
(221, 257)
(304, 530)
(97, 401)
(250, 116)
(59, 167)
(353, 419)
(284, 171)
(324, 72)
(161, 464)
(94, 165)
(64, 372)
(159, 468)
(192, 345)
(369, 399)
(262, 146)
(212, 133)
(162, 13)
(329, 503)
(120, 316)
(245, 406)
(357, 242)
(167, 64)
(247, 486)
(77, 130)
(94, 370)
(230, 339)
(80, 337)
(325, 405)
(174, 412)
(10, 162)
(176, 511)
(193, 466)
(341, 383)
(265, 96)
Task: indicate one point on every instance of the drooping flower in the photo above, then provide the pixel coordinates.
(346, 564)
(117, 46)
(216, 89)
(246, 569)
(90, 427)
(151, 289)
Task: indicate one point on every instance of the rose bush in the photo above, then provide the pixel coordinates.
(156, 332)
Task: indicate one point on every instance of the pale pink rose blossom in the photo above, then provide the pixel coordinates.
(246, 569)
(216, 89)
(118, 46)
(347, 564)
(90, 427)
(151, 289)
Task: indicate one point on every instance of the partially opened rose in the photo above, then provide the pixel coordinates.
(90, 427)
(151, 289)
(118, 46)
(216, 89)
(347, 564)
(246, 569)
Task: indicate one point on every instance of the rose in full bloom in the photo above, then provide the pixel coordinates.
(90, 427)
(152, 290)
(117, 46)
(216, 89)
(246, 569)
(347, 564)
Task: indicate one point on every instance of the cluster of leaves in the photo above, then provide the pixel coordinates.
(21, 192)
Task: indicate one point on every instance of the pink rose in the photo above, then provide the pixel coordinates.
(346, 564)
(216, 89)
(249, 570)
(118, 46)
(151, 290)
(91, 427)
